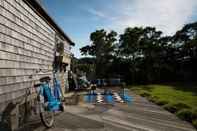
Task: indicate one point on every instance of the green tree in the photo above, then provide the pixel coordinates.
(129, 50)
(102, 48)
(140, 46)
(143, 54)
(185, 41)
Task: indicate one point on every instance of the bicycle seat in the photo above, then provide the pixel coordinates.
(45, 79)
(37, 85)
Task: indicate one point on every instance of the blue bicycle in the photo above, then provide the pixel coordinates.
(47, 102)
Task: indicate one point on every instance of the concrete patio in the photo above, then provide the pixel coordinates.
(141, 115)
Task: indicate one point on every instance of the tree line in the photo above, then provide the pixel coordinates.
(142, 55)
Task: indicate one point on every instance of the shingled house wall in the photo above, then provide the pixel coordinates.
(27, 43)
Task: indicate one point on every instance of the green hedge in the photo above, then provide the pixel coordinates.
(175, 107)
(194, 122)
(185, 114)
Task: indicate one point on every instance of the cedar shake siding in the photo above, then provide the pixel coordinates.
(27, 42)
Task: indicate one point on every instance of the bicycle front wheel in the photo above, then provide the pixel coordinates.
(47, 118)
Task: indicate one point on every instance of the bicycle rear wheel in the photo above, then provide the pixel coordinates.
(47, 118)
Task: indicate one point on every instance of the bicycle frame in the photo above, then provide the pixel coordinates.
(47, 103)
(47, 97)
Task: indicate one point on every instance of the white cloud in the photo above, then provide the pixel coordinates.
(96, 13)
(101, 14)
(166, 15)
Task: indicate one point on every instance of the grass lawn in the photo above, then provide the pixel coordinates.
(176, 98)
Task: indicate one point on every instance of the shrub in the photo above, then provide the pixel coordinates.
(194, 122)
(170, 108)
(161, 102)
(180, 106)
(185, 114)
(144, 94)
(194, 114)
(156, 100)
(176, 107)
(153, 98)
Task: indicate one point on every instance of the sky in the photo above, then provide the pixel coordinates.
(78, 18)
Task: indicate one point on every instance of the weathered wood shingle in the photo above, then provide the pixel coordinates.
(27, 43)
